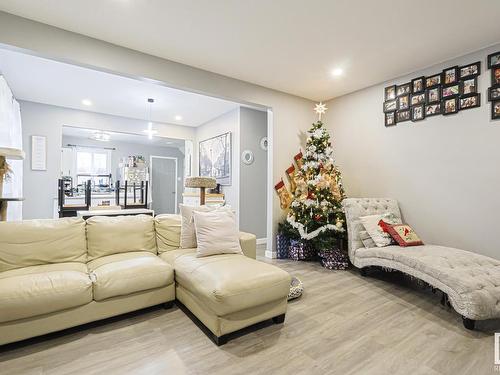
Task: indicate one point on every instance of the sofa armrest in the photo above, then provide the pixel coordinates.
(248, 242)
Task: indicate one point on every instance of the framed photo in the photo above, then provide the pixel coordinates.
(433, 80)
(390, 105)
(432, 109)
(471, 70)
(450, 106)
(404, 101)
(433, 95)
(495, 110)
(418, 85)
(403, 89)
(495, 76)
(417, 99)
(390, 118)
(390, 93)
(494, 60)
(470, 101)
(402, 116)
(450, 90)
(494, 93)
(417, 113)
(215, 158)
(450, 75)
(469, 86)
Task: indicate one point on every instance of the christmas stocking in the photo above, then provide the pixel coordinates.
(298, 159)
(290, 172)
(284, 194)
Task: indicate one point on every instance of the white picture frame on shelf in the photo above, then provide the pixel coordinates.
(38, 153)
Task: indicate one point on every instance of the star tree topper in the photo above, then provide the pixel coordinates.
(320, 109)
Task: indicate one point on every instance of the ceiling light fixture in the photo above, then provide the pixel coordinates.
(150, 131)
(178, 118)
(87, 102)
(101, 136)
(337, 72)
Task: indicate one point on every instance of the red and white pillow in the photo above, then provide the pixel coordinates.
(403, 234)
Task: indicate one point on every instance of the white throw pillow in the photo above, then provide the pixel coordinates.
(380, 237)
(216, 233)
(188, 235)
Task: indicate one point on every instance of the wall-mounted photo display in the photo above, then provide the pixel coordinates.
(390, 105)
(417, 99)
(404, 101)
(450, 75)
(471, 70)
(403, 89)
(390, 93)
(417, 112)
(494, 93)
(450, 90)
(471, 101)
(434, 80)
(402, 116)
(450, 105)
(495, 76)
(432, 109)
(494, 60)
(390, 118)
(418, 85)
(469, 86)
(495, 110)
(433, 95)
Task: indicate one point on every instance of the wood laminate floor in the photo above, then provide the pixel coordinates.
(343, 324)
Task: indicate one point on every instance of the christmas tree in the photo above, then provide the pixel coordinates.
(316, 212)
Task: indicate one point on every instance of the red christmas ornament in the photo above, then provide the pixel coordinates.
(310, 195)
(317, 217)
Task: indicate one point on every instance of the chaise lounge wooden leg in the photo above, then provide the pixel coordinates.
(363, 271)
(168, 305)
(279, 319)
(469, 323)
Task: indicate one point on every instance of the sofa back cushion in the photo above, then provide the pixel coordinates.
(121, 234)
(36, 242)
(168, 232)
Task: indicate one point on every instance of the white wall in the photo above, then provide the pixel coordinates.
(291, 115)
(40, 187)
(443, 170)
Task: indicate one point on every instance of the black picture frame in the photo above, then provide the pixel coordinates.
(475, 99)
(402, 97)
(390, 109)
(495, 110)
(433, 80)
(433, 109)
(445, 95)
(494, 93)
(417, 109)
(390, 93)
(402, 116)
(414, 83)
(428, 99)
(388, 116)
(495, 80)
(403, 89)
(463, 73)
(445, 102)
(493, 60)
(420, 97)
(464, 86)
(447, 72)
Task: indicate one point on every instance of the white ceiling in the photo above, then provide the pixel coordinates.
(288, 45)
(46, 81)
(83, 133)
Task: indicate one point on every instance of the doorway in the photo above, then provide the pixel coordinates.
(163, 184)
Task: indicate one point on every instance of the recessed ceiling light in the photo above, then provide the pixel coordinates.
(337, 72)
(86, 102)
(178, 118)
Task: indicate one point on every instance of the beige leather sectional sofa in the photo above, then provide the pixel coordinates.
(56, 274)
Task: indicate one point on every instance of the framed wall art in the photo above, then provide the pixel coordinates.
(215, 158)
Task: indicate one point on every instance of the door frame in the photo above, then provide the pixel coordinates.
(151, 157)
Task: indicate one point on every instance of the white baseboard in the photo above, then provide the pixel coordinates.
(270, 254)
(261, 241)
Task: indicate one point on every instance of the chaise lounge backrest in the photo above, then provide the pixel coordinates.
(355, 208)
(37, 242)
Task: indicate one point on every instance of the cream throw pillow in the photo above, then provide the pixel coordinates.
(188, 235)
(216, 233)
(378, 236)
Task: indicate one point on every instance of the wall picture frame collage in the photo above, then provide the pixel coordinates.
(494, 90)
(444, 93)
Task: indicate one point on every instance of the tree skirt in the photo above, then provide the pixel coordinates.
(296, 288)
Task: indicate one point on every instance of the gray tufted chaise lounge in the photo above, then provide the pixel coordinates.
(471, 281)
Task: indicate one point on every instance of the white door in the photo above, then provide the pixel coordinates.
(163, 185)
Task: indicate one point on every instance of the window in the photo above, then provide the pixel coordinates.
(93, 162)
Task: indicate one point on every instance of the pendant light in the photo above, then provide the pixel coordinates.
(150, 131)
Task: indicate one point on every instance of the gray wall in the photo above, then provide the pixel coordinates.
(443, 170)
(253, 177)
(124, 149)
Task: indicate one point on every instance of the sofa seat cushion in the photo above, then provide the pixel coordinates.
(127, 273)
(37, 290)
(472, 281)
(228, 283)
